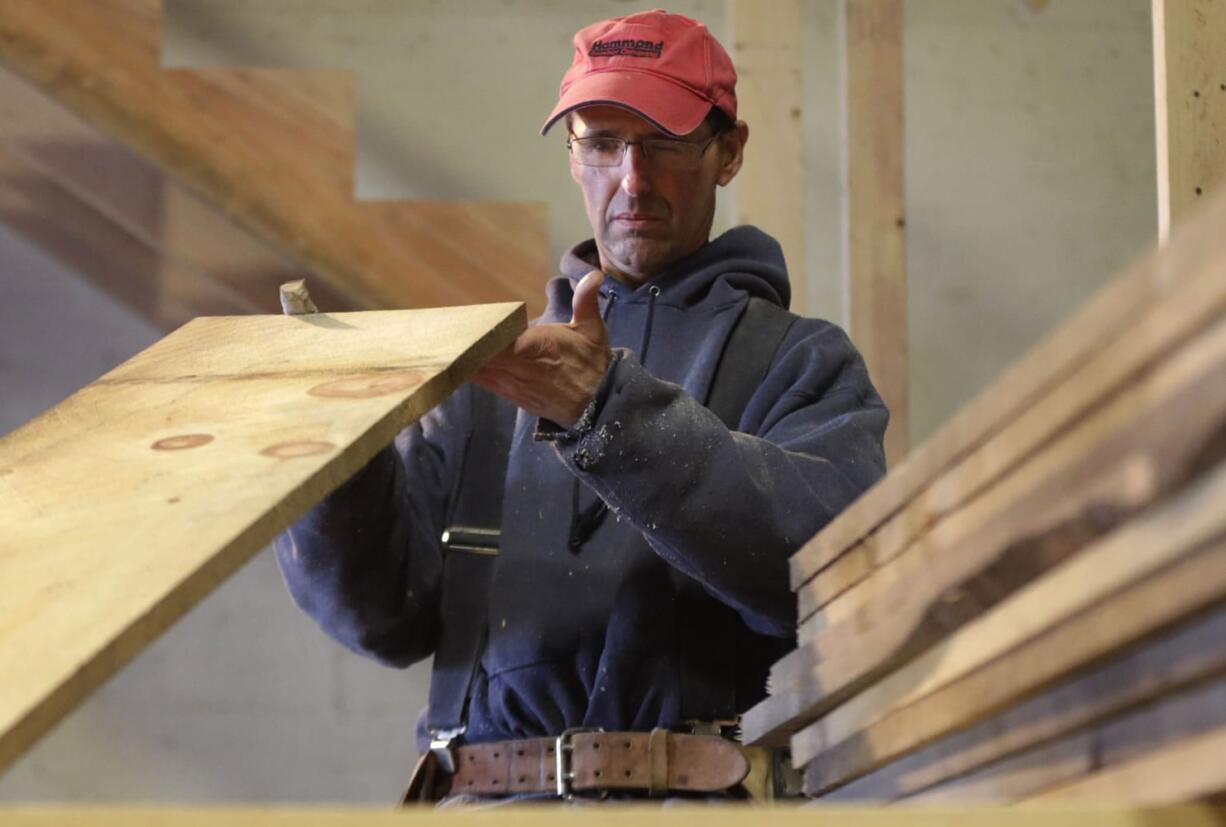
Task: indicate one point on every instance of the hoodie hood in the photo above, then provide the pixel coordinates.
(744, 259)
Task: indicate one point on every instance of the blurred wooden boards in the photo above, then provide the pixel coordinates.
(126, 504)
(1044, 597)
(274, 149)
(1051, 478)
(115, 219)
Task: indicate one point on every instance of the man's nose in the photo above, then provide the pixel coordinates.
(636, 178)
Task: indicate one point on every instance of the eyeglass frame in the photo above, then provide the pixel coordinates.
(641, 144)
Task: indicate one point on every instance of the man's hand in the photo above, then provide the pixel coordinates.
(552, 370)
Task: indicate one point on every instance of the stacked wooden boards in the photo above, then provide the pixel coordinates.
(126, 504)
(1035, 601)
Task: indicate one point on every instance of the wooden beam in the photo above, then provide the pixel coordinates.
(770, 190)
(1189, 655)
(1162, 568)
(265, 147)
(875, 215)
(1190, 104)
(133, 499)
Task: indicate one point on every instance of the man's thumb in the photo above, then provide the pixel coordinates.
(585, 306)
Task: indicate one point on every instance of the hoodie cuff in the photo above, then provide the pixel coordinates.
(549, 431)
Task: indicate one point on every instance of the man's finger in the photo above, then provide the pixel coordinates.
(585, 307)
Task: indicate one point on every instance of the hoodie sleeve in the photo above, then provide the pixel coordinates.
(366, 562)
(729, 507)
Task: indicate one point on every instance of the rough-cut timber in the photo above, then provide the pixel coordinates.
(1188, 655)
(130, 501)
(1171, 565)
(265, 148)
(1081, 753)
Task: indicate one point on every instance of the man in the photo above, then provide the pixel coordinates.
(641, 579)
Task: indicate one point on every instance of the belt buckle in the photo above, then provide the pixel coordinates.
(562, 753)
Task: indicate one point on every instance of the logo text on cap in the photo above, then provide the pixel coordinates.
(626, 48)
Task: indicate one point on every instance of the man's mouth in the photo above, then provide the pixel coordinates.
(636, 220)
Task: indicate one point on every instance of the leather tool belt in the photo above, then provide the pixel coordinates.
(594, 762)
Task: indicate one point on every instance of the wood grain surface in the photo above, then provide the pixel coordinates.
(1188, 655)
(1159, 570)
(129, 502)
(1080, 754)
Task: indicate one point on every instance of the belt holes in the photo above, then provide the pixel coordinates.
(523, 779)
(520, 753)
(496, 755)
(627, 773)
(596, 773)
(595, 745)
(627, 745)
(549, 749)
(549, 777)
(496, 782)
(472, 758)
(470, 782)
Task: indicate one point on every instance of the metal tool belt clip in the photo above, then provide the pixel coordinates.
(443, 746)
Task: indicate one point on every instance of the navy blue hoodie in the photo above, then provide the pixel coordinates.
(595, 636)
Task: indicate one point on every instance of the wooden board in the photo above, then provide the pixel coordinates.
(874, 209)
(1078, 754)
(268, 148)
(1189, 770)
(1190, 654)
(1159, 570)
(770, 189)
(130, 501)
(620, 815)
(1190, 104)
(1197, 301)
(1141, 446)
(1106, 320)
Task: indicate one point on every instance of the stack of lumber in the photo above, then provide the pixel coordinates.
(1033, 605)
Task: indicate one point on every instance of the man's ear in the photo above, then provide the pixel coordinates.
(732, 152)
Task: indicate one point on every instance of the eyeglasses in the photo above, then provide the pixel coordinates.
(665, 153)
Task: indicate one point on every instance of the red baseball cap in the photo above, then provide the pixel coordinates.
(667, 68)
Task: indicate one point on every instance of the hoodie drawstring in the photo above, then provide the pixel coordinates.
(583, 523)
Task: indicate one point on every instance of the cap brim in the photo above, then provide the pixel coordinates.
(669, 106)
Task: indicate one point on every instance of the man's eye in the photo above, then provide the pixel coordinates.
(603, 145)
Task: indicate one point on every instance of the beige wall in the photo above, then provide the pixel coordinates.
(1030, 179)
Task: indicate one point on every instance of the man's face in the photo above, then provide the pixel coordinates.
(645, 217)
